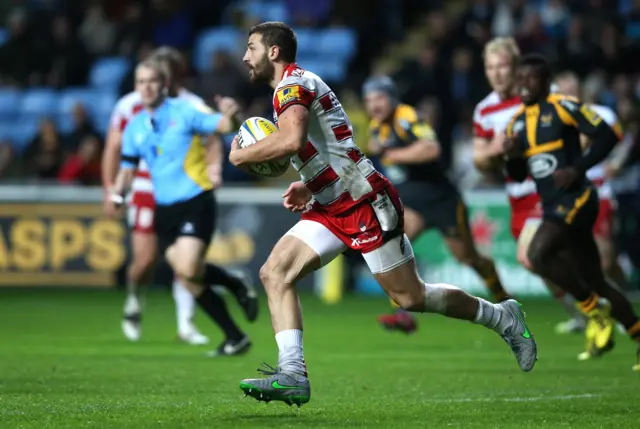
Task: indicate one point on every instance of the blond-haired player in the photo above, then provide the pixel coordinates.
(141, 211)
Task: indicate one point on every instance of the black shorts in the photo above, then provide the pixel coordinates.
(577, 210)
(193, 218)
(441, 207)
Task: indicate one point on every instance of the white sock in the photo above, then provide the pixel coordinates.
(185, 306)
(493, 316)
(131, 305)
(291, 357)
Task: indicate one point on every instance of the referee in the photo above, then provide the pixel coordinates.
(166, 134)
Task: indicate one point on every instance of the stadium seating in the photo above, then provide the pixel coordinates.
(71, 97)
(338, 43)
(19, 133)
(9, 103)
(330, 71)
(323, 51)
(107, 73)
(213, 40)
(38, 103)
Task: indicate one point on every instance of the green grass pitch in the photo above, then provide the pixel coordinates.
(64, 364)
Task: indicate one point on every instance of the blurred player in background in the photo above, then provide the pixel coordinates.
(409, 150)
(141, 217)
(167, 135)
(569, 84)
(543, 140)
(345, 203)
(490, 120)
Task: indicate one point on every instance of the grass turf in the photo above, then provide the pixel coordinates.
(65, 364)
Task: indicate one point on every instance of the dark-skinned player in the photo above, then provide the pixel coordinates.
(543, 140)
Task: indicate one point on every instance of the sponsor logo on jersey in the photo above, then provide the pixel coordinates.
(546, 120)
(359, 241)
(590, 115)
(288, 95)
(542, 165)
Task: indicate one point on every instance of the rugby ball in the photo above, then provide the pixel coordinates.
(253, 130)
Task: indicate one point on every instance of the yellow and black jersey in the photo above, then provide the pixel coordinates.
(548, 136)
(402, 130)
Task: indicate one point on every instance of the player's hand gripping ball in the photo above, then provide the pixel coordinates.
(253, 130)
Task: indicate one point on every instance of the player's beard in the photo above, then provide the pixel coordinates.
(263, 71)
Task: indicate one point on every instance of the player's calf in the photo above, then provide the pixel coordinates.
(138, 273)
(405, 287)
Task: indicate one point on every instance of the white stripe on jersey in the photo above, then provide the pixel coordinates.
(330, 164)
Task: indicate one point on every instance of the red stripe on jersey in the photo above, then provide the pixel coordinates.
(137, 108)
(322, 180)
(478, 131)
(355, 155)
(307, 152)
(342, 132)
(143, 174)
(500, 106)
(325, 102)
(598, 182)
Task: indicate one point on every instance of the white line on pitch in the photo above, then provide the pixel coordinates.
(517, 399)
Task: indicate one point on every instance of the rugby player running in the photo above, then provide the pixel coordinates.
(345, 203)
(543, 140)
(490, 119)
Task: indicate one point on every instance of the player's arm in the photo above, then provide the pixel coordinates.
(205, 122)
(487, 148)
(215, 157)
(424, 146)
(515, 163)
(293, 124)
(486, 153)
(111, 157)
(603, 137)
(129, 159)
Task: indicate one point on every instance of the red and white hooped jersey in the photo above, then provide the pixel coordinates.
(596, 173)
(125, 109)
(491, 117)
(330, 164)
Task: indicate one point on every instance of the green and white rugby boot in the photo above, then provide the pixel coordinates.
(519, 337)
(278, 386)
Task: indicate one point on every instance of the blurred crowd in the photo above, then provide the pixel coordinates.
(53, 43)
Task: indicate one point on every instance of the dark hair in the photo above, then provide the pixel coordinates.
(538, 61)
(278, 34)
(172, 57)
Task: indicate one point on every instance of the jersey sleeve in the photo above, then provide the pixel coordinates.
(610, 117)
(130, 150)
(584, 118)
(514, 129)
(118, 120)
(479, 129)
(293, 90)
(415, 128)
(202, 119)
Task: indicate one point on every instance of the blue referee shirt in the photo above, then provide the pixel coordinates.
(170, 143)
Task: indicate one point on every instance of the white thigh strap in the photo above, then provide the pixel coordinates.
(392, 254)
